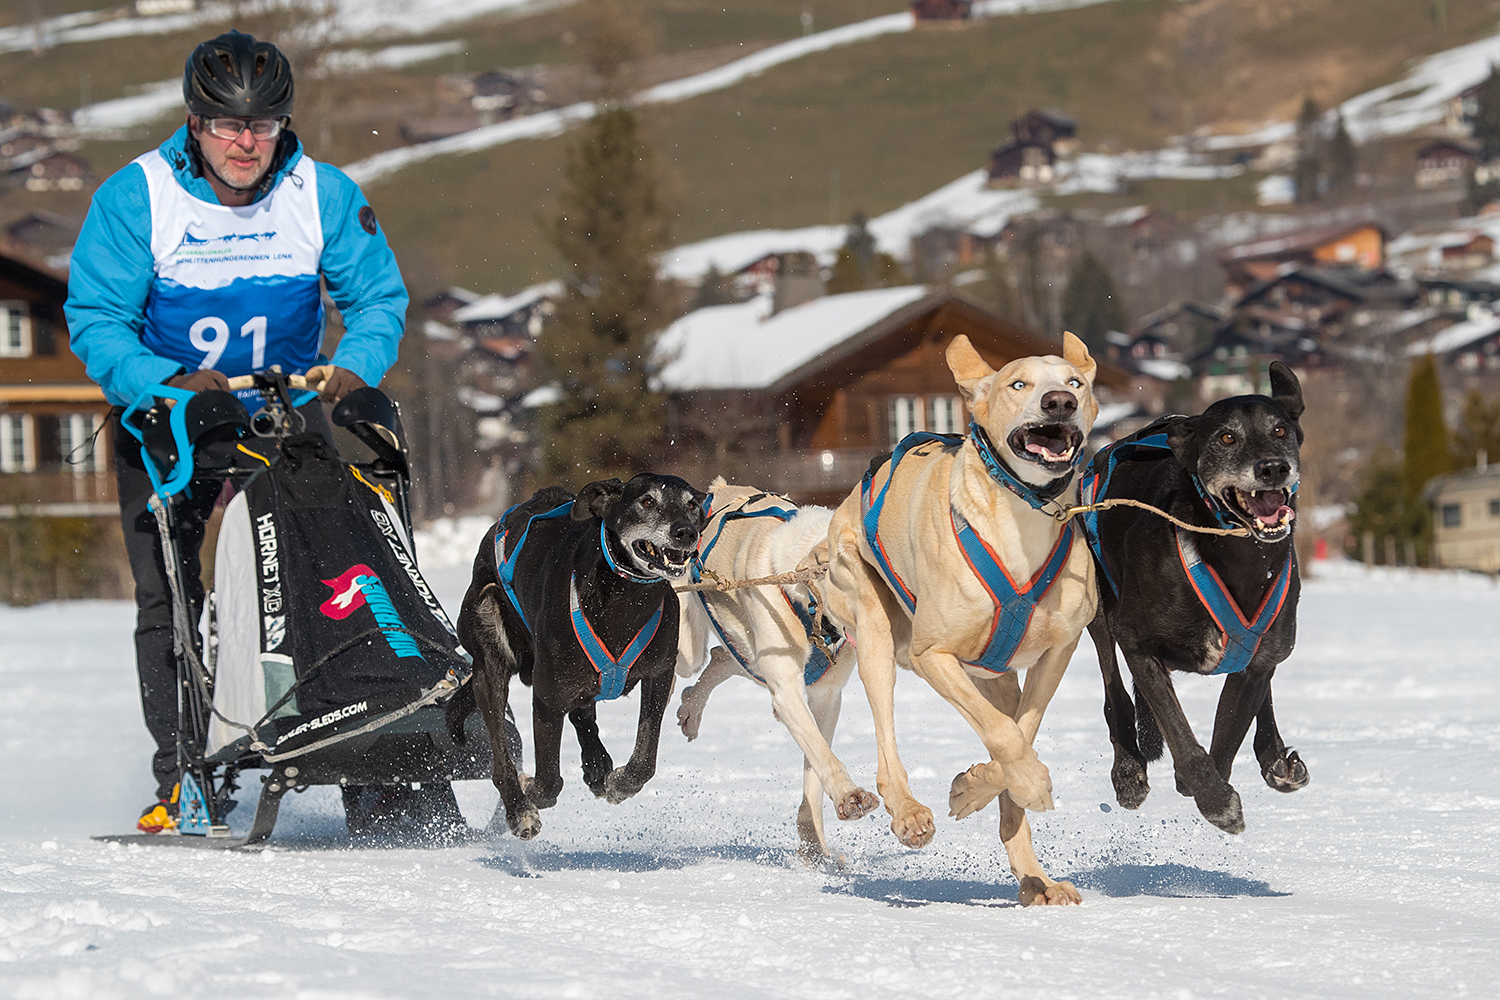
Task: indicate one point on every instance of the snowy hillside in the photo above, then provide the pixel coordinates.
(1377, 880)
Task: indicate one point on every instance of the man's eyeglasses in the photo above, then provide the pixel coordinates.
(232, 128)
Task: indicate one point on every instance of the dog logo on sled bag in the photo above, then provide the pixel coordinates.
(357, 587)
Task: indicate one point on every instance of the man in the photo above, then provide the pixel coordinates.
(200, 261)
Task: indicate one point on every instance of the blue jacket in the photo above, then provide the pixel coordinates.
(113, 268)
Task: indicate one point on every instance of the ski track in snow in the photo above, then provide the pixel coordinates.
(1377, 880)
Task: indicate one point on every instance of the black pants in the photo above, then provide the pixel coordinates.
(155, 664)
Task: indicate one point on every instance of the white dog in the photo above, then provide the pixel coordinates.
(764, 633)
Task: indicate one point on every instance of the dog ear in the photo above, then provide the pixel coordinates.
(972, 374)
(702, 502)
(1076, 353)
(1182, 438)
(1286, 390)
(595, 499)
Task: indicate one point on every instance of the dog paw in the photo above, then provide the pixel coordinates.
(525, 822)
(969, 793)
(1029, 783)
(620, 786)
(1287, 773)
(815, 854)
(913, 826)
(1039, 892)
(540, 796)
(1221, 807)
(689, 716)
(1129, 778)
(856, 804)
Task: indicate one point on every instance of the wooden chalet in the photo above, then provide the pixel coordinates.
(1445, 162)
(1176, 331)
(50, 411)
(1037, 139)
(800, 400)
(1360, 245)
(941, 11)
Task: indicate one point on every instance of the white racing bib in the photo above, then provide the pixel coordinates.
(236, 289)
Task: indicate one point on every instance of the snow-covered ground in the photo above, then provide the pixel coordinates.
(351, 19)
(1377, 880)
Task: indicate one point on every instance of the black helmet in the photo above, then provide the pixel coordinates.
(236, 76)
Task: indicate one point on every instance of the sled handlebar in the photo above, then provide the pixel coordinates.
(312, 381)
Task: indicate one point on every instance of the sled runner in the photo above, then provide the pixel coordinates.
(323, 656)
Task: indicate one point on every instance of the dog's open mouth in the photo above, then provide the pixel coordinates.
(1265, 512)
(1052, 446)
(670, 563)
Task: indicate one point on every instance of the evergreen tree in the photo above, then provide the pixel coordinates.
(1427, 452)
(611, 225)
(845, 276)
(1306, 171)
(1478, 430)
(1381, 508)
(1486, 122)
(1343, 158)
(858, 261)
(715, 289)
(1091, 305)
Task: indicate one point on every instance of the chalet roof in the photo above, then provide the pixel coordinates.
(19, 266)
(1448, 145)
(1305, 241)
(491, 308)
(1354, 284)
(1456, 336)
(738, 346)
(1208, 312)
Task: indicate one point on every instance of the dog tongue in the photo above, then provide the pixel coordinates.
(1269, 506)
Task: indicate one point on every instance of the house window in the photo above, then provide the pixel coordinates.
(80, 451)
(946, 414)
(1495, 508)
(1452, 515)
(907, 414)
(15, 330)
(17, 445)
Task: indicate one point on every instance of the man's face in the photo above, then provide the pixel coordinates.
(240, 162)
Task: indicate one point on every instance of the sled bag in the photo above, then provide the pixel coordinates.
(324, 622)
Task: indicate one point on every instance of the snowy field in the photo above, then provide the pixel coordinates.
(1377, 880)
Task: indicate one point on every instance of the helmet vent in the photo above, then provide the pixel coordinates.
(260, 63)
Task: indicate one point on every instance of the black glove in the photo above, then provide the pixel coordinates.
(200, 381)
(337, 382)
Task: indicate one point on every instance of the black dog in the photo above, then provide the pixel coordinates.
(1200, 603)
(574, 595)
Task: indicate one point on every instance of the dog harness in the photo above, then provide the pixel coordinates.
(613, 671)
(1240, 636)
(1014, 604)
(817, 663)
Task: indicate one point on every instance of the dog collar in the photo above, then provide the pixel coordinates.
(610, 559)
(1037, 496)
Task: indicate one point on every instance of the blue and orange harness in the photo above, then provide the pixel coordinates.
(817, 662)
(1014, 603)
(613, 671)
(1240, 636)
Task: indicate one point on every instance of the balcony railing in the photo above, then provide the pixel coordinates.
(803, 474)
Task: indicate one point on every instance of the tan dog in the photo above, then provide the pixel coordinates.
(752, 534)
(914, 595)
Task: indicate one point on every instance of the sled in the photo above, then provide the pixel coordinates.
(322, 656)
